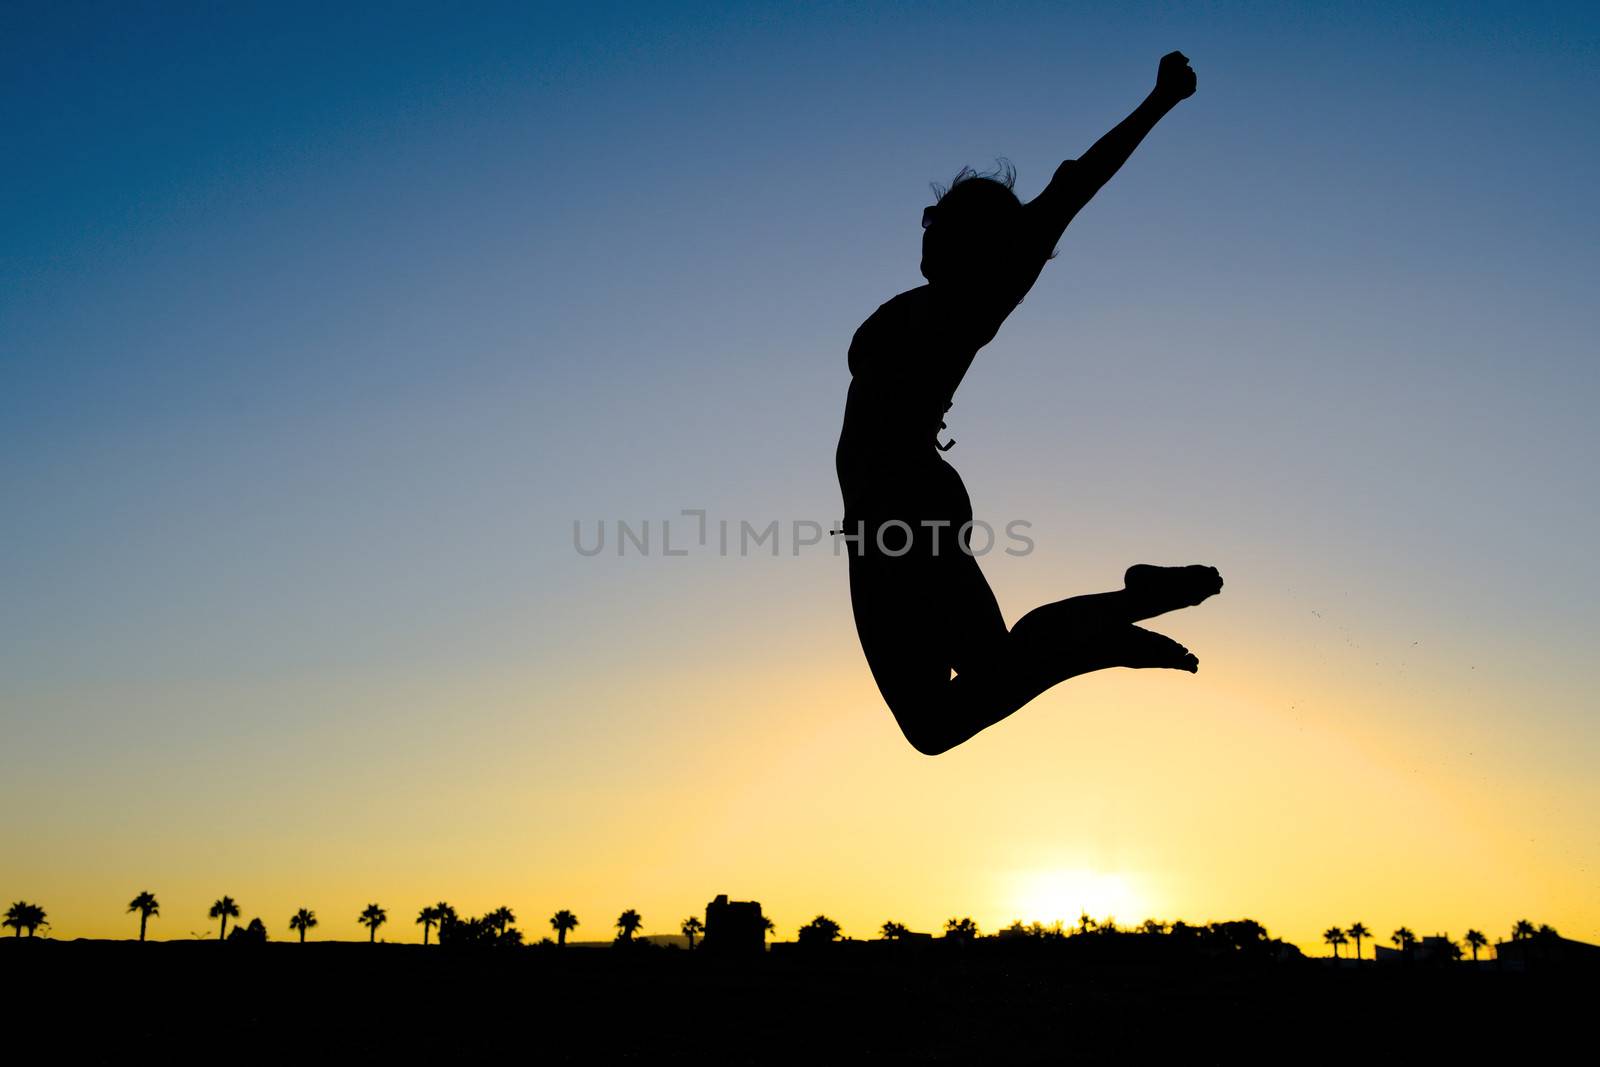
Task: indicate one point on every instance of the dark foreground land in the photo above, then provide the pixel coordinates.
(97, 1001)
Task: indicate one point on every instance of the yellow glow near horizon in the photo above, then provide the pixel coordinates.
(1226, 795)
(1064, 895)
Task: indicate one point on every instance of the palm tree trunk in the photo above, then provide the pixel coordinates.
(561, 936)
(222, 935)
(425, 928)
(142, 920)
(372, 935)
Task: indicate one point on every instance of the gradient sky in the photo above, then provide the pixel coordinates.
(319, 329)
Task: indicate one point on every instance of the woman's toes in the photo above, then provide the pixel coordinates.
(1145, 648)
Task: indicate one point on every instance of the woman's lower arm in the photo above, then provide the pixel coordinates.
(1107, 155)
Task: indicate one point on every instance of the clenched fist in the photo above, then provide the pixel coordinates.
(1175, 78)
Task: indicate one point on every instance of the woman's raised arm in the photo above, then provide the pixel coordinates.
(1077, 180)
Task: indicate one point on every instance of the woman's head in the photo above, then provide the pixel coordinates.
(974, 222)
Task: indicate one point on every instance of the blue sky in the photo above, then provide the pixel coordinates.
(318, 330)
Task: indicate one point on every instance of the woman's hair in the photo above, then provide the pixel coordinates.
(1004, 175)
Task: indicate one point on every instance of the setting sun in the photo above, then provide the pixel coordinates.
(1064, 895)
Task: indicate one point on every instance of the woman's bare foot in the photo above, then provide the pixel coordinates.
(1134, 646)
(1170, 588)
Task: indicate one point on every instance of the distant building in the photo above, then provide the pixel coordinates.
(1546, 950)
(1434, 949)
(734, 927)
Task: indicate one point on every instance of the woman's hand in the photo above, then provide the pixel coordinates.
(1175, 79)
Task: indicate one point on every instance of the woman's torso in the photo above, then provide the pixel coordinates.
(903, 375)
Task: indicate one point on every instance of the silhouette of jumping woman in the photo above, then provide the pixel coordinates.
(929, 624)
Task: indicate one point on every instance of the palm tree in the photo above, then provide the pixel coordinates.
(767, 927)
(893, 931)
(1404, 939)
(628, 923)
(1358, 931)
(146, 905)
(224, 909)
(561, 922)
(426, 919)
(1475, 940)
(447, 917)
(1522, 930)
(820, 930)
(372, 918)
(962, 930)
(500, 918)
(693, 928)
(1335, 937)
(303, 920)
(1154, 926)
(23, 915)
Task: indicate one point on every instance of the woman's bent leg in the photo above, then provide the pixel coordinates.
(923, 619)
(920, 617)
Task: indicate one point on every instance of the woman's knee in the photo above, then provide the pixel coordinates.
(927, 742)
(926, 736)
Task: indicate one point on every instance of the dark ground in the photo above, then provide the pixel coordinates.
(100, 1001)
